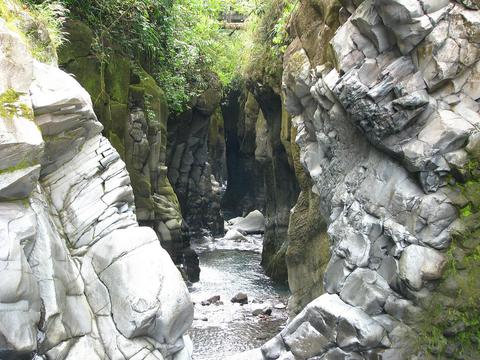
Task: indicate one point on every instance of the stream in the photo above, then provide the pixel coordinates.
(225, 328)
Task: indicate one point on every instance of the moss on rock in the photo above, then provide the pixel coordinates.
(80, 40)
(11, 106)
(117, 143)
(117, 79)
(450, 326)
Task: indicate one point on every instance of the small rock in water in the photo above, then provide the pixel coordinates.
(257, 312)
(262, 310)
(240, 298)
(280, 306)
(213, 300)
(200, 318)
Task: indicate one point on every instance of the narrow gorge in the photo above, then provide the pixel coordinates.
(239, 179)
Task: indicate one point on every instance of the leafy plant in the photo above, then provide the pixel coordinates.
(39, 25)
(267, 40)
(181, 42)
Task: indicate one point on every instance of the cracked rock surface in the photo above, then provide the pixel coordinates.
(383, 127)
(79, 279)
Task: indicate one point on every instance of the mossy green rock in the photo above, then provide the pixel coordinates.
(80, 39)
(117, 79)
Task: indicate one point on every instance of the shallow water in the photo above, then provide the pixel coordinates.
(228, 268)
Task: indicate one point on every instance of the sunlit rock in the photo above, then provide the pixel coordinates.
(79, 278)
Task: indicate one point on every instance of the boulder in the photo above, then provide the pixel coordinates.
(419, 264)
(253, 223)
(213, 300)
(240, 298)
(367, 290)
(306, 342)
(235, 235)
(262, 309)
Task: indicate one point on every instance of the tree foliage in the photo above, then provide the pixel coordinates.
(181, 42)
(267, 40)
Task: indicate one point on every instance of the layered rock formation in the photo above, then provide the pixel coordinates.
(134, 112)
(273, 154)
(384, 98)
(189, 169)
(79, 278)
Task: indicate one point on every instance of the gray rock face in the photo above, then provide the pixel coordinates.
(134, 111)
(382, 133)
(189, 170)
(80, 278)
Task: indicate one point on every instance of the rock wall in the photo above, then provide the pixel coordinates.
(281, 188)
(134, 112)
(79, 278)
(217, 151)
(189, 170)
(384, 98)
(308, 248)
(246, 186)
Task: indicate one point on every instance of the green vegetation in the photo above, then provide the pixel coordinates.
(267, 40)
(39, 25)
(179, 42)
(10, 106)
(452, 317)
(20, 166)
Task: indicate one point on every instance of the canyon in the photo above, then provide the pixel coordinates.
(363, 158)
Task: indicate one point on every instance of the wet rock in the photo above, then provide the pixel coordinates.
(235, 235)
(191, 264)
(274, 348)
(262, 310)
(201, 318)
(253, 223)
(213, 300)
(240, 298)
